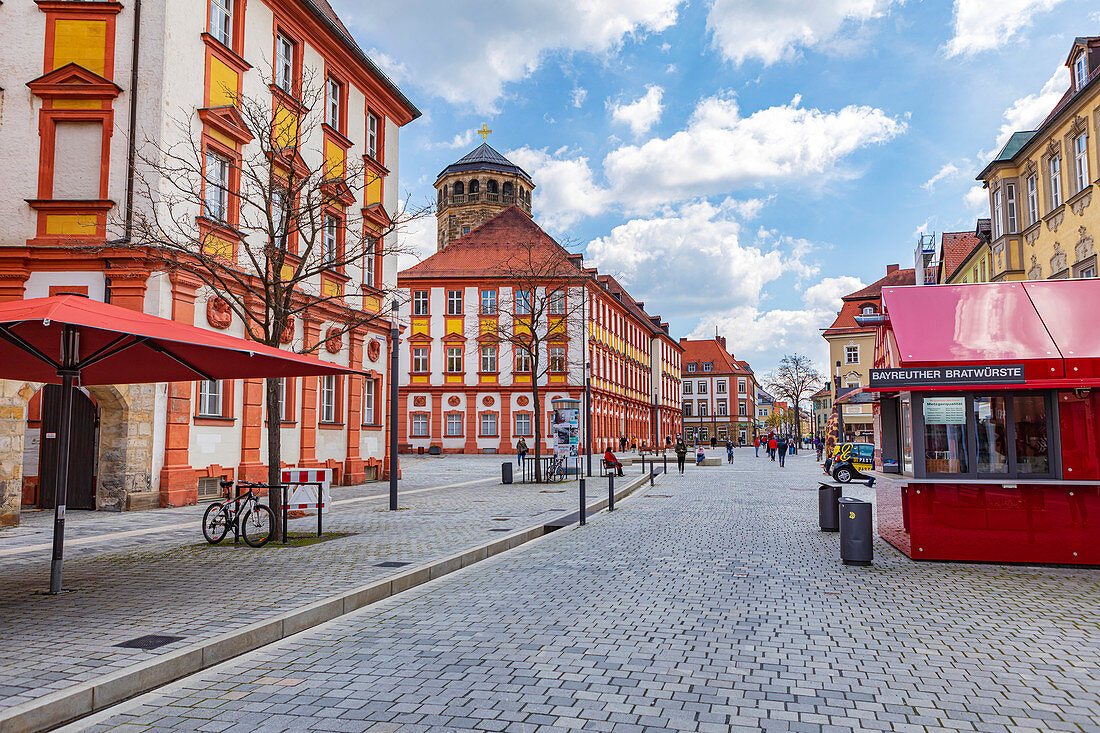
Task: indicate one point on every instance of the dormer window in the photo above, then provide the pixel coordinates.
(1080, 71)
(868, 310)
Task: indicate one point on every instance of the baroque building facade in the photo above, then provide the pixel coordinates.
(1042, 184)
(719, 393)
(86, 84)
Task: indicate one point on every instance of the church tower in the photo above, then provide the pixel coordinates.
(476, 188)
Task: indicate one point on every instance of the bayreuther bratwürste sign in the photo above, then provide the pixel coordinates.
(942, 376)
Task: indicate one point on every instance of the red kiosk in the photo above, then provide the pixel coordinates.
(988, 421)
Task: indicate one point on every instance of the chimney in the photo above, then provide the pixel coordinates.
(721, 341)
(891, 268)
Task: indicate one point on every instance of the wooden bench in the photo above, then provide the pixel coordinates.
(606, 469)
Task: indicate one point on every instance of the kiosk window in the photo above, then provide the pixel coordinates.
(990, 426)
(906, 436)
(1032, 450)
(945, 435)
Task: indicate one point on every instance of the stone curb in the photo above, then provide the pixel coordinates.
(67, 705)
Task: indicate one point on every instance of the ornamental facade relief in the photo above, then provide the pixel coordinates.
(1036, 270)
(1056, 221)
(1078, 207)
(1059, 261)
(1084, 248)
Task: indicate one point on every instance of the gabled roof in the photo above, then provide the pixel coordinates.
(823, 392)
(481, 158)
(874, 290)
(704, 351)
(853, 302)
(486, 250)
(956, 248)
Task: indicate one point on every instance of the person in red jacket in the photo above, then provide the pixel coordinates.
(610, 461)
(756, 445)
(773, 446)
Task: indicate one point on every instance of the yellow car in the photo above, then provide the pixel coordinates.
(850, 460)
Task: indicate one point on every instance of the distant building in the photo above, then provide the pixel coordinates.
(966, 257)
(719, 392)
(823, 405)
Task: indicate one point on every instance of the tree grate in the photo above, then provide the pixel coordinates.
(149, 641)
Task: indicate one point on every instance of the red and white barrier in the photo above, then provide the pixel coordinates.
(304, 484)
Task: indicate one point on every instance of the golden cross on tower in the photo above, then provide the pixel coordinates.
(484, 132)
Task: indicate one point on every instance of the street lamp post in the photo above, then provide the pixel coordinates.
(395, 365)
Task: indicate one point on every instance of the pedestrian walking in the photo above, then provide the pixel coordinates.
(773, 445)
(820, 448)
(782, 448)
(633, 445)
(756, 446)
(622, 443)
(681, 454)
(729, 452)
(521, 450)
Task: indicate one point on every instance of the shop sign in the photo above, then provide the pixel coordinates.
(944, 410)
(948, 376)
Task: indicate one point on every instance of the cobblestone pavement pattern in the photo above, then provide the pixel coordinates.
(711, 603)
(166, 580)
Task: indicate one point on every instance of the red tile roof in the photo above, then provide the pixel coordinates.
(955, 248)
(853, 302)
(487, 250)
(708, 350)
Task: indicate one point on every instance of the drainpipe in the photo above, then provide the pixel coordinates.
(131, 150)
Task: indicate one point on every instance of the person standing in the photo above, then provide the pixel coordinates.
(729, 452)
(681, 454)
(756, 445)
(820, 448)
(622, 443)
(782, 449)
(521, 451)
(773, 445)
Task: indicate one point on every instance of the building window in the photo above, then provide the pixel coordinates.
(1010, 201)
(489, 424)
(523, 302)
(372, 135)
(868, 310)
(1032, 199)
(420, 302)
(707, 366)
(465, 231)
(420, 425)
(1080, 71)
(852, 380)
(1089, 271)
(454, 359)
(210, 399)
(556, 306)
(328, 240)
(742, 409)
(702, 408)
(284, 63)
(454, 302)
(523, 424)
(335, 93)
(221, 21)
(420, 359)
(1081, 161)
(489, 359)
(687, 409)
(523, 361)
(328, 398)
(557, 358)
(721, 408)
(742, 386)
(691, 367)
(216, 198)
(454, 425)
(997, 213)
(687, 387)
(1056, 181)
(851, 354)
(370, 251)
(370, 389)
(720, 388)
(488, 302)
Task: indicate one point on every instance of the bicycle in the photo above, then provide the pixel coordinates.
(255, 520)
(555, 470)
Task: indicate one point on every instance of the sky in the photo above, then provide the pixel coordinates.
(737, 164)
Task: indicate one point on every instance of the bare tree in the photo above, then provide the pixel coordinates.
(278, 227)
(545, 314)
(795, 380)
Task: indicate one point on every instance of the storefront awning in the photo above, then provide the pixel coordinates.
(1069, 309)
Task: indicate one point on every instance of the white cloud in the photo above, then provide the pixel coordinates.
(720, 150)
(566, 189)
(826, 295)
(460, 140)
(1027, 112)
(641, 114)
(944, 173)
(469, 52)
(415, 241)
(977, 200)
(773, 31)
(983, 25)
(578, 96)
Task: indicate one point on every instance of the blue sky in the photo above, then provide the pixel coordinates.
(735, 163)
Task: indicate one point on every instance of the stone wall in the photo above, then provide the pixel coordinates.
(13, 420)
(125, 447)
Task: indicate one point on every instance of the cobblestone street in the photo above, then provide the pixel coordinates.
(710, 602)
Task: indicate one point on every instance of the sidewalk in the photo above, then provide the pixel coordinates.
(144, 573)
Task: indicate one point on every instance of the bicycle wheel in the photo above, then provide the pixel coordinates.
(257, 525)
(215, 523)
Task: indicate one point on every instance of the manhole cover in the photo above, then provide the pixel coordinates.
(391, 564)
(149, 641)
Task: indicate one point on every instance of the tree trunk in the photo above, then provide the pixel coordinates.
(274, 449)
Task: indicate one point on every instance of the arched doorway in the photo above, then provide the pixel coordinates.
(83, 449)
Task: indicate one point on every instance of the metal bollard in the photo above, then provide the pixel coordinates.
(611, 492)
(651, 475)
(664, 462)
(583, 502)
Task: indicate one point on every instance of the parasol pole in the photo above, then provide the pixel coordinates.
(67, 372)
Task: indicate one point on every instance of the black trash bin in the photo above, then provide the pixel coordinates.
(506, 472)
(828, 512)
(855, 531)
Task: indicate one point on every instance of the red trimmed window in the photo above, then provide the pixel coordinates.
(213, 401)
(487, 425)
(371, 401)
(330, 400)
(455, 425)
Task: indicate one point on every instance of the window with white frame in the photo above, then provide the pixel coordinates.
(335, 93)
(216, 194)
(328, 398)
(702, 408)
(488, 302)
(691, 367)
(370, 390)
(742, 409)
(454, 358)
(708, 366)
(489, 359)
(489, 424)
(556, 304)
(1056, 181)
(284, 63)
(1032, 199)
(328, 239)
(687, 409)
(998, 227)
(210, 398)
(742, 386)
(221, 21)
(852, 380)
(419, 425)
(523, 361)
(372, 135)
(1010, 206)
(702, 387)
(687, 388)
(420, 302)
(280, 399)
(720, 387)
(370, 251)
(1081, 162)
(1089, 271)
(557, 358)
(523, 302)
(523, 425)
(278, 216)
(454, 302)
(1080, 71)
(721, 408)
(851, 354)
(454, 425)
(868, 310)
(420, 359)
